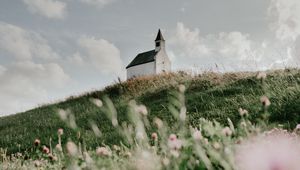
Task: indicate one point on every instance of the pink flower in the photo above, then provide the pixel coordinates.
(278, 150)
(265, 101)
(46, 150)
(103, 151)
(197, 135)
(60, 131)
(227, 131)
(174, 143)
(154, 136)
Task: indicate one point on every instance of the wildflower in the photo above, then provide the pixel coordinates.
(154, 136)
(60, 131)
(37, 163)
(37, 142)
(103, 151)
(87, 157)
(243, 112)
(166, 161)
(216, 145)
(259, 152)
(72, 148)
(116, 148)
(197, 135)
(97, 102)
(142, 110)
(227, 131)
(158, 122)
(265, 101)
(46, 150)
(174, 143)
(261, 75)
(52, 157)
(205, 141)
(175, 153)
(58, 147)
(243, 124)
(181, 88)
(146, 160)
(297, 129)
(128, 154)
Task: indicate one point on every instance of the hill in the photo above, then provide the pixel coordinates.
(209, 95)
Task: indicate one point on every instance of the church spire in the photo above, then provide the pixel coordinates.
(159, 41)
(159, 36)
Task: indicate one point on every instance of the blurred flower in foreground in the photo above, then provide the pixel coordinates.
(146, 160)
(243, 112)
(197, 135)
(72, 148)
(261, 75)
(46, 150)
(37, 142)
(60, 131)
(278, 150)
(227, 131)
(174, 143)
(297, 129)
(103, 151)
(265, 101)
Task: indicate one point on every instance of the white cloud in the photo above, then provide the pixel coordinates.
(231, 50)
(100, 53)
(285, 16)
(29, 76)
(2, 70)
(98, 3)
(48, 8)
(24, 44)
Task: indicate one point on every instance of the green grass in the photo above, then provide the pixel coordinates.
(210, 95)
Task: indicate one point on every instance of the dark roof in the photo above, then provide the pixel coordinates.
(143, 58)
(159, 36)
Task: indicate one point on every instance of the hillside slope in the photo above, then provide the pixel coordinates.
(210, 95)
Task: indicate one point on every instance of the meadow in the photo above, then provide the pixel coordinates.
(170, 121)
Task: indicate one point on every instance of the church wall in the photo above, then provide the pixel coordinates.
(141, 70)
(163, 63)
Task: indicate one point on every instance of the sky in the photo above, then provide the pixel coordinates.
(52, 49)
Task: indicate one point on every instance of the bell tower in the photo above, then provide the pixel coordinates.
(159, 41)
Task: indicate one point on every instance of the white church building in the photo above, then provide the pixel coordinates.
(151, 62)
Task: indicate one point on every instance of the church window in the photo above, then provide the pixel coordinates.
(157, 44)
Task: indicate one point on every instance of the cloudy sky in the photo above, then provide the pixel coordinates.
(51, 49)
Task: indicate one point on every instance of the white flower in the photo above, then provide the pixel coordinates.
(103, 151)
(197, 135)
(174, 143)
(158, 122)
(243, 112)
(72, 148)
(227, 131)
(261, 75)
(265, 101)
(60, 131)
(58, 147)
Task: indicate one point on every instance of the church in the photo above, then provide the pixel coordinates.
(151, 62)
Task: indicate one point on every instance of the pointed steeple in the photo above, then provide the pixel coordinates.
(159, 41)
(159, 36)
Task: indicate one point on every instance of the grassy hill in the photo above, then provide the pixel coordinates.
(209, 95)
